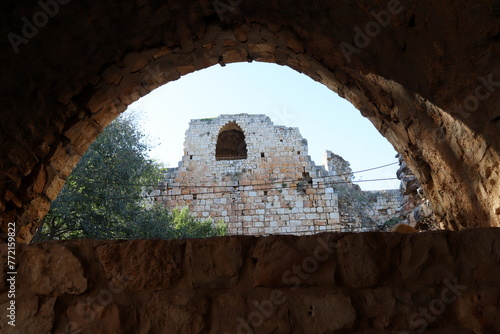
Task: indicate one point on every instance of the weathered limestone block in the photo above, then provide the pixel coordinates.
(314, 309)
(434, 248)
(296, 268)
(368, 266)
(123, 261)
(215, 263)
(380, 306)
(177, 313)
(479, 310)
(48, 277)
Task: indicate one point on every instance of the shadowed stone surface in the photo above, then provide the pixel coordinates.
(327, 283)
(427, 78)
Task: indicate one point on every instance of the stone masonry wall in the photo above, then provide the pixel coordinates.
(277, 188)
(386, 204)
(271, 191)
(360, 208)
(366, 283)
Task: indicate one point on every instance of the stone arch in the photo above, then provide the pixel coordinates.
(62, 87)
(231, 143)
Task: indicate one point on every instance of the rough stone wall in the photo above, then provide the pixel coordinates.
(339, 169)
(428, 82)
(277, 188)
(371, 283)
(416, 209)
(385, 204)
(360, 208)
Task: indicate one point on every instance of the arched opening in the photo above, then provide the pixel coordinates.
(76, 91)
(231, 144)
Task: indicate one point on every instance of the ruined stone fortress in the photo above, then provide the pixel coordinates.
(259, 179)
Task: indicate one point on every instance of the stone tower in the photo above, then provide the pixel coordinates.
(256, 177)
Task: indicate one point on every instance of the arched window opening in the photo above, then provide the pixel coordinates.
(231, 143)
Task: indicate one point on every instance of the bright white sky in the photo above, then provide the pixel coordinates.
(289, 98)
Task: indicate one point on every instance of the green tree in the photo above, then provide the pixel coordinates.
(151, 224)
(104, 196)
(186, 226)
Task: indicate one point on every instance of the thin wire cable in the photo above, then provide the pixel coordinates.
(274, 182)
(214, 192)
(369, 169)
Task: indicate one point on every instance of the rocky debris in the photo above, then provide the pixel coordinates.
(403, 228)
(417, 210)
(373, 282)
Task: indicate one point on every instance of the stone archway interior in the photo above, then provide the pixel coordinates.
(430, 84)
(231, 143)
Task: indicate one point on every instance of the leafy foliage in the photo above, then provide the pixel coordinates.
(159, 223)
(104, 196)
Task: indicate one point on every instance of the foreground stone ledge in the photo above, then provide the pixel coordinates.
(443, 282)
